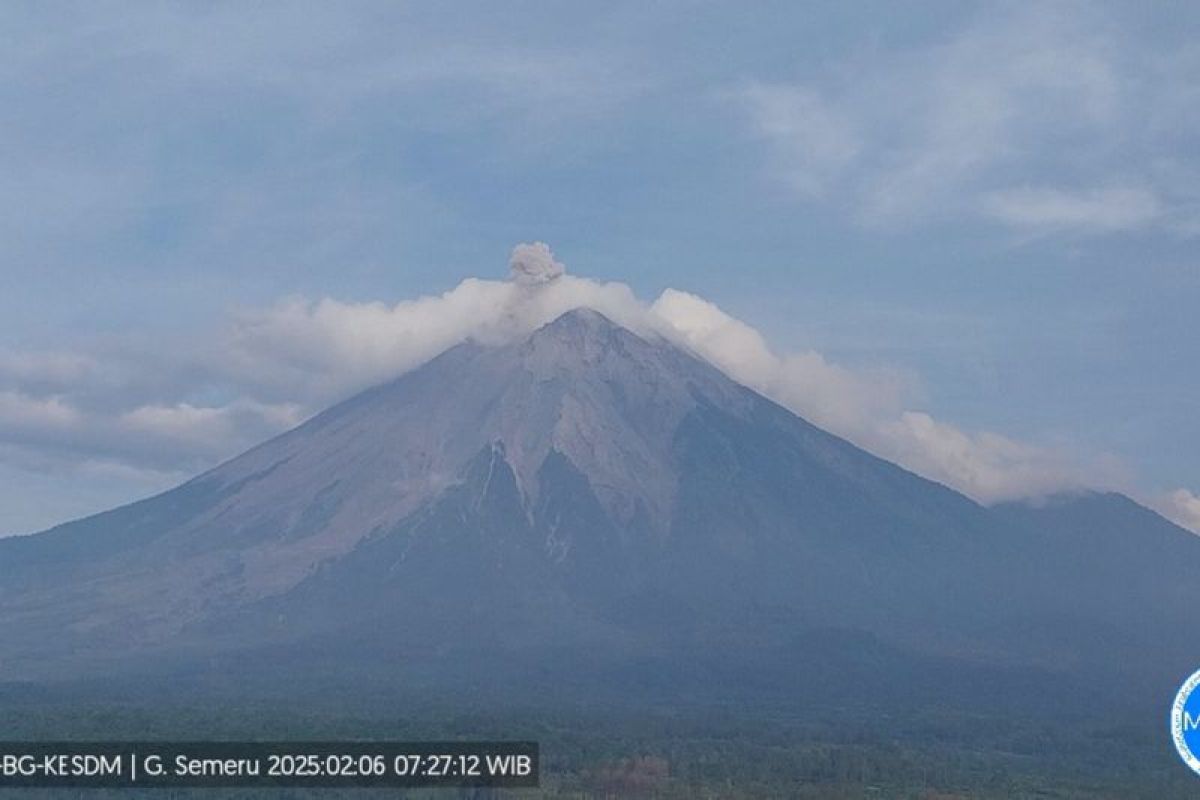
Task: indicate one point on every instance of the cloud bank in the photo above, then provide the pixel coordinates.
(869, 409)
(1038, 117)
(270, 368)
(1181, 507)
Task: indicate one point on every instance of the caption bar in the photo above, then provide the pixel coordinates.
(279, 764)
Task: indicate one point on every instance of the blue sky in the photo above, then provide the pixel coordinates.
(996, 206)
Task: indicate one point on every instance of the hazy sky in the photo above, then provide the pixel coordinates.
(986, 214)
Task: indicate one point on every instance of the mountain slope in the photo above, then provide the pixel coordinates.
(591, 499)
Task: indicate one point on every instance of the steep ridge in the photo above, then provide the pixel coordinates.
(589, 496)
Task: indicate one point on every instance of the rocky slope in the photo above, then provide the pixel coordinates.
(601, 505)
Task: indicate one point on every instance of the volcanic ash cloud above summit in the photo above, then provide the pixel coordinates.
(310, 353)
(533, 264)
(350, 346)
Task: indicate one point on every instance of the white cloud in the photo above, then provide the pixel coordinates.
(815, 140)
(982, 464)
(277, 365)
(19, 411)
(210, 428)
(323, 350)
(45, 368)
(833, 397)
(1181, 507)
(1106, 209)
(157, 438)
(868, 408)
(1046, 96)
(316, 351)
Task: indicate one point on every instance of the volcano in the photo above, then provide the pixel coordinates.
(591, 510)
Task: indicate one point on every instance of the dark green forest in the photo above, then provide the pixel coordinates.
(712, 752)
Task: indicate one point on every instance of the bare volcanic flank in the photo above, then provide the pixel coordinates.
(586, 490)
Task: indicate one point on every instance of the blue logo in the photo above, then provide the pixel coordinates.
(1185, 722)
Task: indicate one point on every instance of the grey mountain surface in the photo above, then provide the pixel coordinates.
(598, 509)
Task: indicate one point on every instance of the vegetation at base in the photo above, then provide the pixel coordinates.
(718, 753)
